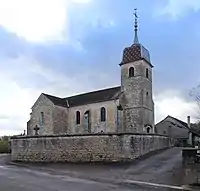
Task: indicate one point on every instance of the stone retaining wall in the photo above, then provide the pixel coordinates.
(86, 148)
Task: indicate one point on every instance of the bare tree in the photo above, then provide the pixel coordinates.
(195, 94)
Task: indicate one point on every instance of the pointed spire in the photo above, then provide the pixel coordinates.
(136, 41)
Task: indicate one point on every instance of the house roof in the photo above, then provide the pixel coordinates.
(134, 53)
(56, 100)
(178, 120)
(181, 122)
(95, 96)
(87, 98)
(195, 132)
(192, 125)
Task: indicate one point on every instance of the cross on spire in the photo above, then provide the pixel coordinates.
(136, 41)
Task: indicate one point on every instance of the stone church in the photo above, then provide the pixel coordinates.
(128, 108)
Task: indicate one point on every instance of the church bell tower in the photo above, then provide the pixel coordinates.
(136, 87)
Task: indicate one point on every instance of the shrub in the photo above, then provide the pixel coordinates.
(4, 146)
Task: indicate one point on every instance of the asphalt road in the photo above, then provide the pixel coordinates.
(162, 171)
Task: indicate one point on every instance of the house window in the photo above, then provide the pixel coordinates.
(78, 117)
(147, 73)
(131, 72)
(42, 118)
(147, 93)
(103, 114)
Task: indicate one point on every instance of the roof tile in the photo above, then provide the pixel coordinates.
(86, 98)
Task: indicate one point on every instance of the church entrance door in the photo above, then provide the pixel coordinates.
(87, 124)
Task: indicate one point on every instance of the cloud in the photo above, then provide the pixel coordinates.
(172, 102)
(88, 40)
(15, 106)
(27, 79)
(44, 21)
(20, 85)
(37, 20)
(81, 1)
(177, 8)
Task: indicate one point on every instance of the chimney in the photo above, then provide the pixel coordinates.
(188, 122)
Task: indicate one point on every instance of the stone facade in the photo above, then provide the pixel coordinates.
(55, 119)
(97, 126)
(72, 129)
(133, 97)
(135, 116)
(137, 100)
(172, 127)
(46, 106)
(61, 120)
(86, 148)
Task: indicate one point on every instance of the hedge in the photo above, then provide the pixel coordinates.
(4, 146)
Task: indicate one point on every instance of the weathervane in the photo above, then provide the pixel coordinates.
(136, 41)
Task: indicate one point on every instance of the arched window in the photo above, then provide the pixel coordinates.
(148, 129)
(103, 114)
(147, 73)
(78, 117)
(131, 72)
(42, 118)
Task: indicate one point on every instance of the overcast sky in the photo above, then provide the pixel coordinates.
(64, 47)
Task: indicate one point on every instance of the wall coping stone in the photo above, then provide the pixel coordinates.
(85, 135)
